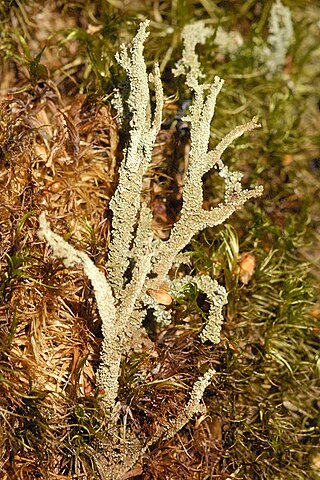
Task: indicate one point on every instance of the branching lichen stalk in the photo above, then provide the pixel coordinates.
(125, 203)
(137, 264)
(192, 407)
(108, 372)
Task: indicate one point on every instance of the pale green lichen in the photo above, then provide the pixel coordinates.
(136, 261)
(189, 65)
(144, 127)
(228, 43)
(123, 303)
(192, 408)
(193, 217)
(107, 375)
(161, 314)
(216, 295)
(273, 54)
(280, 35)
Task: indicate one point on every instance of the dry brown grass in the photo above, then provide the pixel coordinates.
(60, 159)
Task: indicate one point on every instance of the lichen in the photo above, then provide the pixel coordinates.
(216, 295)
(273, 54)
(137, 263)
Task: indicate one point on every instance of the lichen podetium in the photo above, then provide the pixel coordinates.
(119, 296)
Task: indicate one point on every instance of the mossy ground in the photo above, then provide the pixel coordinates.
(60, 148)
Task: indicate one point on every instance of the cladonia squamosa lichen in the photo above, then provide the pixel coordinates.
(121, 297)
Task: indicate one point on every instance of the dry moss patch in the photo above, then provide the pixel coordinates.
(61, 159)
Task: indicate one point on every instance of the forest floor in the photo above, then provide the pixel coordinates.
(60, 148)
